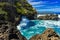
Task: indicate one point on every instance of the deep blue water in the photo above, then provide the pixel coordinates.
(29, 28)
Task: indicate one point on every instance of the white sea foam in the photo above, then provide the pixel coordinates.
(44, 23)
(51, 23)
(18, 27)
(48, 24)
(58, 16)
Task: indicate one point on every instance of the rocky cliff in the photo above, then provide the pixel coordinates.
(11, 12)
(8, 31)
(49, 34)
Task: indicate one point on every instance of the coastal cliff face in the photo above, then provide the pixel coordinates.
(11, 12)
(8, 31)
(49, 34)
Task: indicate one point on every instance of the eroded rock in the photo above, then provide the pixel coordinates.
(49, 34)
(9, 32)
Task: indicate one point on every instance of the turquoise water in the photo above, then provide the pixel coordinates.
(28, 29)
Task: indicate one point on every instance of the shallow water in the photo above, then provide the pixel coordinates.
(39, 27)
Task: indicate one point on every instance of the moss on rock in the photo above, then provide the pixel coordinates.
(16, 8)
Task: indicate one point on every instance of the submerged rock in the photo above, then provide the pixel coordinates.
(49, 34)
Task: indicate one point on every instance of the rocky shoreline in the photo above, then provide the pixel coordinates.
(8, 31)
(48, 17)
(11, 13)
(49, 34)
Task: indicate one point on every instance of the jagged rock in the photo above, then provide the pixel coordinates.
(15, 9)
(11, 12)
(36, 37)
(48, 17)
(8, 31)
(49, 34)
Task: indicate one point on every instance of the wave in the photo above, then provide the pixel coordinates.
(47, 23)
(39, 27)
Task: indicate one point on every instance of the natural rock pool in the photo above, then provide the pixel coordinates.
(29, 28)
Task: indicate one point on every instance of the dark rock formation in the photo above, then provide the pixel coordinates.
(8, 31)
(49, 34)
(11, 12)
(48, 17)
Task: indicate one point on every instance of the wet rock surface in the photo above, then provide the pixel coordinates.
(49, 34)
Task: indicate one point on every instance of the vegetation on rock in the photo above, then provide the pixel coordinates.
(11, 12)
(16, 9)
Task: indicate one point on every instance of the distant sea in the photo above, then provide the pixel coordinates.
(34, 27)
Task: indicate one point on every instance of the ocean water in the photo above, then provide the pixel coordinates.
(29, 28)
